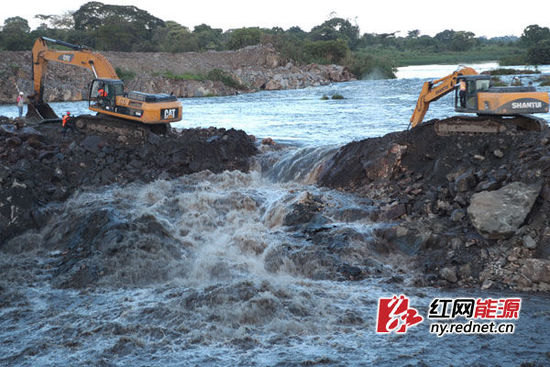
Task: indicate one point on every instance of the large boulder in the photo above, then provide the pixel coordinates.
(537, 270)
(498, 214)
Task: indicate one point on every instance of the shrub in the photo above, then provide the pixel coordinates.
(497, 82)
(15, 67)
(326, 52)
(214, 75)
(540, 53)
(503, 71)
(337, 96)
(371, 67)
(124, 74)
(515, 59)
(224, 77)
(168, 74)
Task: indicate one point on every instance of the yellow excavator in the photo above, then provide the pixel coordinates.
(496, 107)
(116, 108)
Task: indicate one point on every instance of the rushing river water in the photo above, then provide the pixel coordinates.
(209, 292)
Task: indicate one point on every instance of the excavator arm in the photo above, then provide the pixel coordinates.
(435, 89)
(79, 56)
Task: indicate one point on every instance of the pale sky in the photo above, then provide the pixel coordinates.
(484, 18)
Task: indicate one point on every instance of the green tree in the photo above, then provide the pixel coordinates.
(534, 34)
(174, 37)
(116, 27)
(63, 21)
(127, 35)
(15, 34)
(208, 38)
(413, 34)
(444, 38)
(296, 32)
(539, 54)
(424, 43)
(372, 67)
(332, 51)
(243, 37)
(334, 29)
(93, 15)
(462, 41)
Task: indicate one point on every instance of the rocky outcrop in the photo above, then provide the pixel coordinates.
(256, 67)
(291, 76)
(500, 213)
(38, 165)
(468, 210)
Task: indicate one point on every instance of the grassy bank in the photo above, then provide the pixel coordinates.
(213, 75)
(414, 57)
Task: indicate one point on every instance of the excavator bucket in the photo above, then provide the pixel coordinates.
(41, 113)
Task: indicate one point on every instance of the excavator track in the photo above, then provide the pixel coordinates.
(105, 124)
(42, 113)
(486, 124)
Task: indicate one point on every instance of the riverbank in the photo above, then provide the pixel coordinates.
(40, 166)
(471, 210)
(184, 74)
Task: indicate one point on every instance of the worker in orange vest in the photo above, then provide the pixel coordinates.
(65, 123)
(101, 92)
(462, 93)
(101, 95)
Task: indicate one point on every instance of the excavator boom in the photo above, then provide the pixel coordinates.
(433, 90)
(80, 56)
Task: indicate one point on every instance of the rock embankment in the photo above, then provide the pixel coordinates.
(471, 210)
(254, 67)
(39, 166)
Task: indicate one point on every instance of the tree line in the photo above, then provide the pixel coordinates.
(337, 40)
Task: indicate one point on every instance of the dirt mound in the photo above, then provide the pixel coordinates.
(38, 165)
(424, 183)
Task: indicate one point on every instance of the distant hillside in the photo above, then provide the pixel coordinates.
(190, 74)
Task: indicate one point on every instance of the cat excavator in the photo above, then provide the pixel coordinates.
(129, 113)
(497, 108)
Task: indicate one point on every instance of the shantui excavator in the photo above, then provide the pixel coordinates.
(496, 107)
(117, 110)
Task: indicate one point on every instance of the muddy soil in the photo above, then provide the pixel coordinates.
(39, 165)
(430, 187)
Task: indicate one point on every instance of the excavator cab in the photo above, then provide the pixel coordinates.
(474, 85)
(484, 99)
(103, 93)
